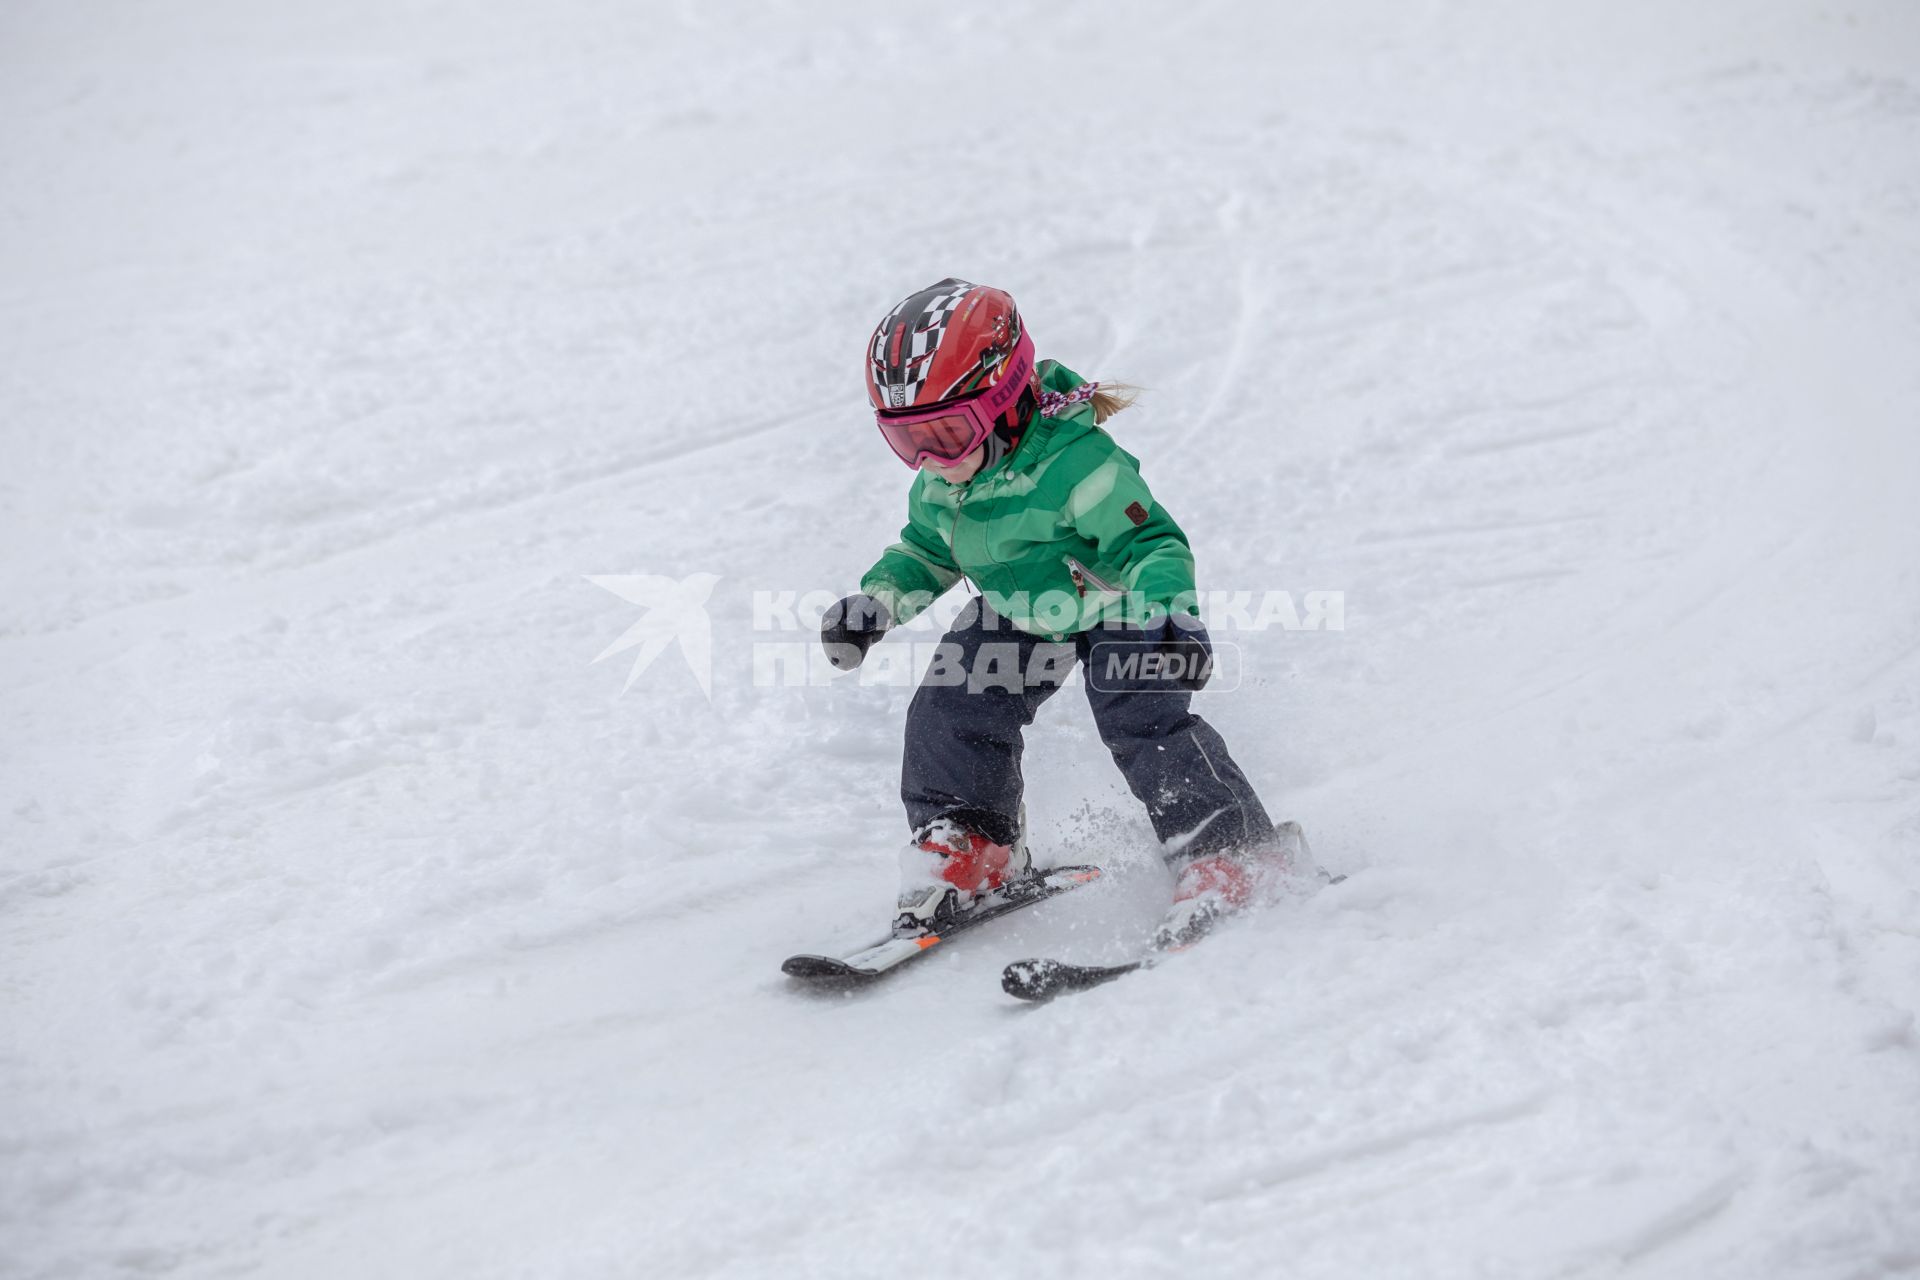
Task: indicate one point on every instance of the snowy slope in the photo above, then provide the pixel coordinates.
(353, 921)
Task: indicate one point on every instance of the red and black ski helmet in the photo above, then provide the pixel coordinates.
(948, 341)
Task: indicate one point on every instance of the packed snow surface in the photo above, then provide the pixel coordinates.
(370, 368)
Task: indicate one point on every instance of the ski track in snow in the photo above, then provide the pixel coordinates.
(352, 922)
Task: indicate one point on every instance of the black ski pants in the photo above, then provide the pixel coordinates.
(988, 680)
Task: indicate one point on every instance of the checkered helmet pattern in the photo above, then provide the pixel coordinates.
(949, 340)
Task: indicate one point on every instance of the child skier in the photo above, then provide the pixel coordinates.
(1021, 491)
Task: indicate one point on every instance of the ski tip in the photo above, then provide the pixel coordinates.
(822, 969)
(1039, 980)
(1032, 979)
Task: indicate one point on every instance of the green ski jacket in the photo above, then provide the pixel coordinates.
(1059, 536)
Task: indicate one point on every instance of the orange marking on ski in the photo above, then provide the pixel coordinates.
(924, 943)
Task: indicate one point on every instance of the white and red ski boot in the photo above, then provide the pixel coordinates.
(946, 869)
(1219, 885)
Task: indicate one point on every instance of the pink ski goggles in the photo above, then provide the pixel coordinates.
(947, 432)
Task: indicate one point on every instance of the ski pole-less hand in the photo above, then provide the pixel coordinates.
(851, 627)
(1188, 648)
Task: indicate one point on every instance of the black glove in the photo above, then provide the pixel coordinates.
(852, 627)
(1168, 656)
(1188, 650)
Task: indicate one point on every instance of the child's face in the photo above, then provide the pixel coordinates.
(959, 472)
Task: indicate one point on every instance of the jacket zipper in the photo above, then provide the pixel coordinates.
(1082, 571)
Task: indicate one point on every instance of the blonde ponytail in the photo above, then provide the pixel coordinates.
(1110, 398)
